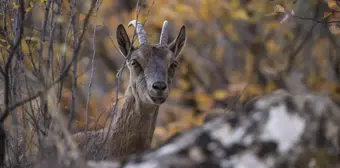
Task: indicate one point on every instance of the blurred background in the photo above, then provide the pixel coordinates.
(236, 51)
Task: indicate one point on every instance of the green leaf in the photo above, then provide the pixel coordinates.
(15, 6)
(28, 9)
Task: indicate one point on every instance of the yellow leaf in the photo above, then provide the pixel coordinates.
(279, 9)
(220, 94)
(204, 11)
(326, 14)
(230, 30)
(160, 131)
(254, 90)
(272, 47)
(59, 19)
(2, 46)
(234, 4)
(240, 14)
(43, 1)
(270, 87)
(28, 64)
(63, 49)
(271, 25)
(28, 9)
(183, 84)
(183, 8)
(204, 101)
(31, 39)
(203, 98)
(329, 87)
(175, 93)
(15, 6)
(332, 4)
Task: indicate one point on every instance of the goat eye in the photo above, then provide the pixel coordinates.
(174, 65)
(134, 63)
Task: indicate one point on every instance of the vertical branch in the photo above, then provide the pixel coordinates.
(292, 55)
(55, 7)
(33, 117)
(91, 75)
(42, 76)
(63, 74)
(18, 31)
(42, 34)
(3, 6)
(13, 49)
(49, 63)
(74, 64)
(63, 42)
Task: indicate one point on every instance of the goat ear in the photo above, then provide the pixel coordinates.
(123, 40)
(177, 45)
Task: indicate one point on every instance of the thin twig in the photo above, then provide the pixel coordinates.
(74, 64)
(91, 75)
(292, 55)
(63, 56)
(42, 36)
(8, 91)
(49, 64)
(13, 50)
(61, 77)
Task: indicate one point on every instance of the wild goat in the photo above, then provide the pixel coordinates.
(152, 68)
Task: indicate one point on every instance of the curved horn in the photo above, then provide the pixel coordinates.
(164, 34)
(140, 32)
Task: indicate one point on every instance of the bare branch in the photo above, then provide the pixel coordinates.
(13, 49)
(63, 74)
(91, 75)
(74, 64)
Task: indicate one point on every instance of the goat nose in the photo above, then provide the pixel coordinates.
(159, 85)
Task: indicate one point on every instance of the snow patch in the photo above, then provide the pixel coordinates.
(148, 164)
(167, 149)
(283, 127)
(246, 160)
(227, 135)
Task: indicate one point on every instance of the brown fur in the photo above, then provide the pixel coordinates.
(131, 132)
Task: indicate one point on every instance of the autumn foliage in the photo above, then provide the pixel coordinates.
(236, 51)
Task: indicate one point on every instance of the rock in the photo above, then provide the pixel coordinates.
(277, 130)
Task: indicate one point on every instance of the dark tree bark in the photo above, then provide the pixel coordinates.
(2, 145)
